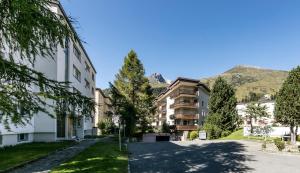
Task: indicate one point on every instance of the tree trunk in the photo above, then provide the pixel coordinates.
(296, 131)
(293, 135)
(251, 126)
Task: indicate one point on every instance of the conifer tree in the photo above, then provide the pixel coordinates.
(135, 87)
(287, 106)
(222, 103)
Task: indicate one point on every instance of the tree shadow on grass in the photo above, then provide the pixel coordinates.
(100, 158)
(168, 157)
(94, 164)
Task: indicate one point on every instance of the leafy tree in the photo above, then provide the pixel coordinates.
(253, 97)
(135, 87)
(165, 128)
(222, 103)
(287, 106)
(255, 111)
(193, 135)
(106, 126)
(30, 30)
(211, 126)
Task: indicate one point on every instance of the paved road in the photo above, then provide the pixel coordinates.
(206, 156)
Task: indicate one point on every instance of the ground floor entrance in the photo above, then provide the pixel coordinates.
(69, 127)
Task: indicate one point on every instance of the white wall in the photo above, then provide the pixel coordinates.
(169, 111)
(275, 131)
(241, 108)
(203, 95)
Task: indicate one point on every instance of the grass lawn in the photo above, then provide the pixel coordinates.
(238, 135)
(16, 155)
(103, 157)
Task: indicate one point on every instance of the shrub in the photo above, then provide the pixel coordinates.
(106, 126)
(298, 138)
(165, 128)
(93, 136)
(212, 131)
(193, 135)
(279, 144)
(225, 133)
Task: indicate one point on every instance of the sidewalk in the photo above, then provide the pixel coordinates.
(45, 165)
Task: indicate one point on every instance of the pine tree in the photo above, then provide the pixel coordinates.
(287, 106)
(223, 102)
(132, 83)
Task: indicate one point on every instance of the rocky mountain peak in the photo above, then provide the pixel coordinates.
(157, 78)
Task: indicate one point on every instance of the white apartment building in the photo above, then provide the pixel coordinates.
(184, 104)
(270, 106)
(276, 129)
(70, 64)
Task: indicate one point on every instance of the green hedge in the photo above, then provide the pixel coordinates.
(279, 144)
(193, 135)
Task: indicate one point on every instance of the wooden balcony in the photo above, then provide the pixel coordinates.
(185, 95)
(184, 105)
(183, 92)
(186, 116)
(186, 127)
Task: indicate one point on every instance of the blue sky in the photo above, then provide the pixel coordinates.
(189, 38)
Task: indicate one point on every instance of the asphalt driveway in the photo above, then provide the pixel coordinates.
(207, 156)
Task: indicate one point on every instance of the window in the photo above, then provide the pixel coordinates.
(76, 73)
(22, 137)
(93, 77)
(79, 124)
(87, 84)
(202, 103)
(93, 91)
(77, 53)
(0, 139)
(87, 67)
(185, 122)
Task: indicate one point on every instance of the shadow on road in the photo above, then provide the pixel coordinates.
(168, 157)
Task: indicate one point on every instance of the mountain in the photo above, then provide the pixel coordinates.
(158, 83)
(157, 78)
(250, 79)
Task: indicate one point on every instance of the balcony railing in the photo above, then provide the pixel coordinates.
(186, 116)
(183, 105)
(186, 127)
(183, 92)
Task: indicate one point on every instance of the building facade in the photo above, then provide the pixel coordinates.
(103, 108)
(69, 64)
(270, 120)
(274, 129)
(184, 104)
